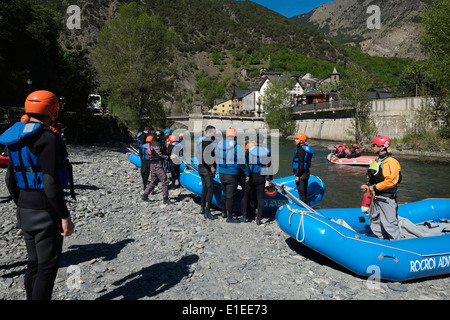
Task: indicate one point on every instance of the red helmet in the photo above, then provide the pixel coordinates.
(42, 102)
(382, 141)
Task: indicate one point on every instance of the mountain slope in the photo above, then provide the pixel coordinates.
(346, 21)
(216, 39)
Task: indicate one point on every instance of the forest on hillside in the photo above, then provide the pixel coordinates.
(208, 42)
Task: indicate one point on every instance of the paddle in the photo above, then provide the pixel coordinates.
(132, 149)
(190, 165)
(295, 200)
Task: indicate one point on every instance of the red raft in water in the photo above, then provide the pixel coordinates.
(359, 161)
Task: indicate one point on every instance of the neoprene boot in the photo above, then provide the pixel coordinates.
(167, 201)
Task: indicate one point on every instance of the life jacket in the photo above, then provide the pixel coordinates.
(138, 138)
(375, 173)
(27, 166)
(258, 159)
(306, 160)
(357, 150)
(227, 154)
(146, 151)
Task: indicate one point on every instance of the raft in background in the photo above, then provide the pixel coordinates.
(134, 159)
(191, 180)
(358, 161)
(344, 236)
(4, 161)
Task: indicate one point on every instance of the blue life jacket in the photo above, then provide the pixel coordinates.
(146, 151)
(306, 160)
(27, 166)
(258, 159)
(139, 140)
(227, 154)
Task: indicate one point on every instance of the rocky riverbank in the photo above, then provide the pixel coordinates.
(124, 248)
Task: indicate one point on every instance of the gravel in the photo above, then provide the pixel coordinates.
(124, 248)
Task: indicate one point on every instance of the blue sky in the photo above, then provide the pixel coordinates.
(290, 8)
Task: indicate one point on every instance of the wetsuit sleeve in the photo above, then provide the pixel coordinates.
(243, 161)
(48, 155)
(11, 183)
(391, 173)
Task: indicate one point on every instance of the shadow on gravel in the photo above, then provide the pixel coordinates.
(21, 264)
(152, 280)
(312, 255)
(76, 254)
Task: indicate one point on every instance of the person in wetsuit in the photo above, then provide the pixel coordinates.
(301, 164)
(232, 164)
(259, 161)
(36, 174)
(207, 169)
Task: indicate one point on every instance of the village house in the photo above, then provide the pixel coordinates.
(222, 107)
(238, 100)
(305, 90)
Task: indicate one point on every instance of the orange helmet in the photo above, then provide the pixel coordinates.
(149, 139)
(25, 118)
(302, 137)
(42, 102)
(231, 132)
(172, 138)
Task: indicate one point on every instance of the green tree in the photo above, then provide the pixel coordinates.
(415, 80)
(354, 92)
(133, 59)
(436, 40)
(277, 107)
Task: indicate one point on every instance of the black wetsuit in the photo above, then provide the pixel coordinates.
(206, 175)
(39, 214)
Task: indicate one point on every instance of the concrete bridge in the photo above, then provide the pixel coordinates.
(393, 117)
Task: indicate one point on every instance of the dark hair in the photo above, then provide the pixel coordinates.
(209, 128)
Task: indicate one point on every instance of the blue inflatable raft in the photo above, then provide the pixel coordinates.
(190, 179)
(344, 236)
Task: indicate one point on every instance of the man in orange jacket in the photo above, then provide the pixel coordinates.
(384, 176)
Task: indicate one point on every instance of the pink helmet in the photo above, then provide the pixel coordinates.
(381, 141)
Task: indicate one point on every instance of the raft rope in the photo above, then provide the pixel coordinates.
(307, 213)
(302, 213)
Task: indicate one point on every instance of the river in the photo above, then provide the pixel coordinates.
(421, 179)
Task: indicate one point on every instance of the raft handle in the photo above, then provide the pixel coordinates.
(381, 256)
